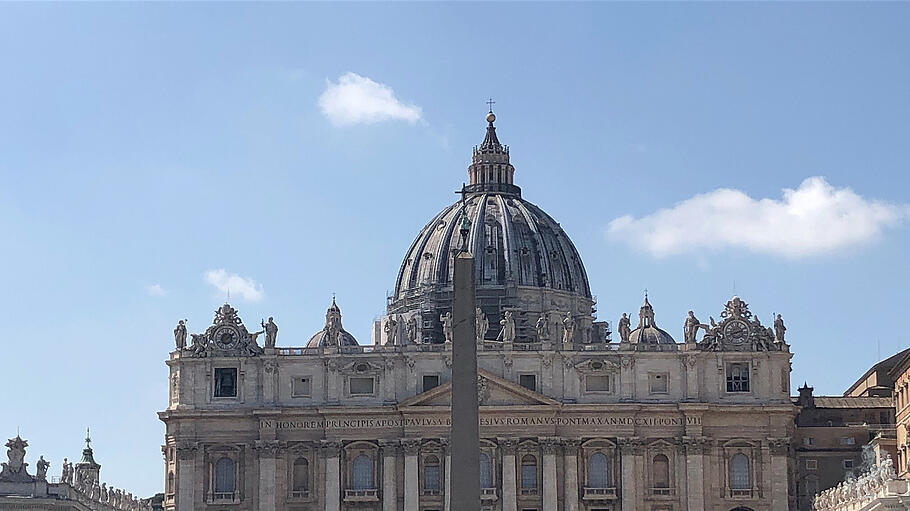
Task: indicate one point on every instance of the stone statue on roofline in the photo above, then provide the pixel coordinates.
(543, 327)
(446, 320)
(391, 331)
(41, 465)
(779, 329)
(568, 328)
(625, 328)
(507, 334)
(271, 332)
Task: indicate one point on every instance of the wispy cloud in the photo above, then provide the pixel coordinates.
(230, 283)
(155, 290)
(814, 219)
(356, 99)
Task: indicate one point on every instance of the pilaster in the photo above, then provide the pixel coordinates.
(780, 448)
(268, 452)
(186, 475)
(509, 470)
(390, 450)
(411, 448)
(570, 462)
(549, 447)
(331, 452)
(631, 450)
(695, 449)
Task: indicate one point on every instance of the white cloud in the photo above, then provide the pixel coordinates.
(155, 290)
(242, 287)
(814, 219)
(356, 99)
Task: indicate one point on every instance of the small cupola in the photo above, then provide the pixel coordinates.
(490, 169)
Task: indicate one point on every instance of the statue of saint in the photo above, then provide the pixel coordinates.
(543, 327)
(507, 334)
(625, 328)
(391, 331)
(481, 324)
(412, 329)
(446, 320)
(41, 466)
(271, 332)
(690, 327)
(568, 328)
(180, 334)
(198, 344)
(779, 329)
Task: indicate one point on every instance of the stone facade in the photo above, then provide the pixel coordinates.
(570, 420)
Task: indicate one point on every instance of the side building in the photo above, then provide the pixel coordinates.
(570, 420)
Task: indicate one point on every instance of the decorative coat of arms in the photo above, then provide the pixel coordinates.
(14, 470)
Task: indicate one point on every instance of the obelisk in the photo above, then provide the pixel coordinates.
(465, 434)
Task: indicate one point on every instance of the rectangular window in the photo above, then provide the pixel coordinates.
(808, 441)
(361, 386)
(738, 377)
(528, 381)
(302, 387)
(811, 464)
(430, 381)
(848, 464)
(597, 383)
(847, 440)
(658, 383)
(225, 382)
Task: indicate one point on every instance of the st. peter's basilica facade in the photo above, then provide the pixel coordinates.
(573, 417)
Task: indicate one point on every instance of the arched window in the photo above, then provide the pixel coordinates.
(528, 472)
(431, 473)
(597, 470)
(363, 472)
(740, 472)
(660, 471)
(486, 471)
(224, 475)
(301, 475)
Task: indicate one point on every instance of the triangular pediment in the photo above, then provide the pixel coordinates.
(491, 389)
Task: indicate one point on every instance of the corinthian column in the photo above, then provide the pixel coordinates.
(549, 446)
(570, 460)
(779, 448)
(411, 480)
(390, 451)
(268, 454)
(509, 486)
(186, 475)
(695, 471)
(631, 449)
(331, 451)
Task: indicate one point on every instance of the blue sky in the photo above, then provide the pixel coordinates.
(144, 145)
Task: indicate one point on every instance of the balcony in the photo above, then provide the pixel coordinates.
(529, 492)
(371, 495)
(300, 494)
(488, 494)
(599, 494)
(740, 494)
(224, 498)
(431, 492)
(663, 492)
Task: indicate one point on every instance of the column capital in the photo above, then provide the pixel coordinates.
(779, 446)
(631, 445)
(570, 446)
(330, 448)
(410, 446)
(446, 445)
(269, 448)
(507, 444)
(390, 447)
(186, 450)
(696, 444)
(548, 444)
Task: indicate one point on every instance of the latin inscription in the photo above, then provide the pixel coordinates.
(485, 422)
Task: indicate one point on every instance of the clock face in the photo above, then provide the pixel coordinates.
(226, 337)
(736, 331)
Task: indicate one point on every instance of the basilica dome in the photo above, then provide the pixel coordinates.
(518, 249)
